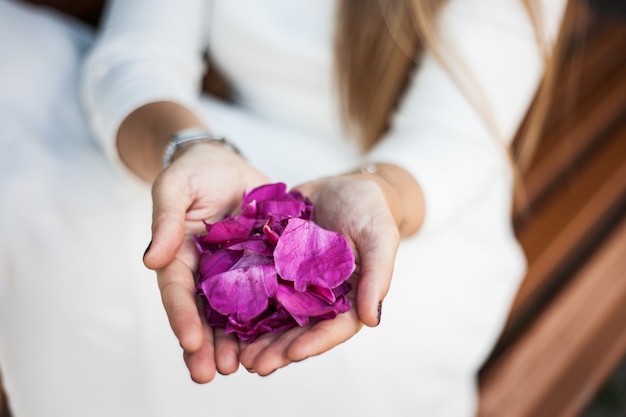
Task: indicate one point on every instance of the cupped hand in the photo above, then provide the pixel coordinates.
(204, 183)
(354, 205)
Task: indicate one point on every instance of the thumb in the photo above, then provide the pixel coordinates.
(377, 257)
(168, 224)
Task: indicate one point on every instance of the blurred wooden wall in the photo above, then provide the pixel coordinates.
(567, 328)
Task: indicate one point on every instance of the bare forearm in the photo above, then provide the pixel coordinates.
(403, 194)
(144, 134)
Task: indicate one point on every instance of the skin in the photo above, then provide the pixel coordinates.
(206, 181)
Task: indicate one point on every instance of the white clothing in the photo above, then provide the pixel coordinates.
(82, 331)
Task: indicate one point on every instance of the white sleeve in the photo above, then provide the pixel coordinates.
(439, 134)
(147, 51)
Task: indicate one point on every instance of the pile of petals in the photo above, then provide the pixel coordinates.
(270, 267)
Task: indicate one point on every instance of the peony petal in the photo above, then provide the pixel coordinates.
(271, 234)
(213, 317)
(203, 246)
(342, 289)
(241, 257)
(302, 305)
(308, 254)
(257, 244)
(307, 212)
(281, 209)
(265, 192)
(217, 262)
(243, 290)
(227, 229)
(276, 224)
(279, 321)
(273, 199)
(272, 320)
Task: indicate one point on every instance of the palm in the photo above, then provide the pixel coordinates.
(203, 185)
(357, 209)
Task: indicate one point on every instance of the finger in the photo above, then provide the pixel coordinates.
(178, 294)
(376, 268)
(272, 356)
(168, 222)
(323, 336)
(251, 351)
(201, 362)
(226, 352)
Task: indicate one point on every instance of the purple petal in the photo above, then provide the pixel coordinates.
(273, 199)
(326, 294)
(240, 255)
(279, 321)
(243, 290)
(271, 235)
(308, 254)
(272, 320)
(227, 229)
(276, 224)
(265, 192)
(342, 289)
(203, 246)
(307, 212)
(217, 262)
(250, 215)
(303, 305)
(281, 209)
(256, 244)
(342, 305)
(213, 317)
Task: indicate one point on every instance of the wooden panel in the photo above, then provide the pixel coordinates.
(576, 183)
(560, 344)
(589, 86)
(564, 230)
(570, 139)
(590, 60)
(558, 364)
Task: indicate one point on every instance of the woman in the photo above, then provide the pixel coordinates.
(423, 159)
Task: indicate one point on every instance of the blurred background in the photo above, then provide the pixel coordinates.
(563, 352)
(610, 400)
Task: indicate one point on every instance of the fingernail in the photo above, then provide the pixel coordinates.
(147, 249)
(379, 311)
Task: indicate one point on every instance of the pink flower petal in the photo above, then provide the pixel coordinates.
(281, 209)
(271, 234)
(257, 244)
(265, 192)
(227, 229)
(308, 254)
(217, 262)
(240, 255)
(302, 305)
(244, 290)
(272, 320)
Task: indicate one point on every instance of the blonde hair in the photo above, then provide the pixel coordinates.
(377, 48)
(378, 45)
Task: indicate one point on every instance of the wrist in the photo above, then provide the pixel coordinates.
(188, 137)
(145, 133)
(402, 193)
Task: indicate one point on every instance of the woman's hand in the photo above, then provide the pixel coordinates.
(204, 182)
(368, 211)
